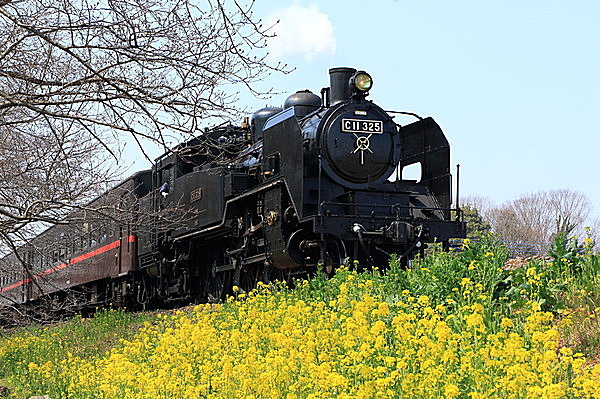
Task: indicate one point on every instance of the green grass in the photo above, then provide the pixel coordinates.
(83, 337)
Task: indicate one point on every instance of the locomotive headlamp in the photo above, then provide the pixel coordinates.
(362, 81)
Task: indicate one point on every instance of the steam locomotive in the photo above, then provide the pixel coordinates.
(317, 183)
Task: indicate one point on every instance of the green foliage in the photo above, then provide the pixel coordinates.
(459, 277)
(564, 251)
(531, 281)
(477, 226)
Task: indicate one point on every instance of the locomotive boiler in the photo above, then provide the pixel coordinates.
(315, 184)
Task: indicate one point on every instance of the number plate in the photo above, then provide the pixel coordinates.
(362, 126)
(196, 195)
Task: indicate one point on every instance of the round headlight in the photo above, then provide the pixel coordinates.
(363, 81)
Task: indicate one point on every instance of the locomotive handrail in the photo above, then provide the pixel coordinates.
(405, 113)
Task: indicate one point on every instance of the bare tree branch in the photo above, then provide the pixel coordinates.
(537, 218)
(77, 77)
(142, 67)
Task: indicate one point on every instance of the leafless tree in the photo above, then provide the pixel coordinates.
(147, 68)
(569, 210)
(535, 219)
(79, 77)
(43, 175)
(76, 74)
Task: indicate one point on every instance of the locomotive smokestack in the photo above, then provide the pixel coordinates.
(338, 80)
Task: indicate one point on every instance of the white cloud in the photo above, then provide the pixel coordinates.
(304, 31)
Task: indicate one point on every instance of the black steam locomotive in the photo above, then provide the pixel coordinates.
(315, 184)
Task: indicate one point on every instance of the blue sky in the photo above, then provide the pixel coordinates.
(515, 85)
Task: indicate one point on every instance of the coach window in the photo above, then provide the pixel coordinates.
(111, 228)
(101, 232)
(93, 236)
(63, 247)
(30, 258)
(68, 249)
(85, 239)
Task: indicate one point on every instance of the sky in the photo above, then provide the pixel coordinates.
(515, 85)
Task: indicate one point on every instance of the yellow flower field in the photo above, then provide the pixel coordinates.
(274, 345)
(356, 335)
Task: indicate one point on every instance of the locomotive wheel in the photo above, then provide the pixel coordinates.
(273, 274)
(336, 252)
(249, 278)
(220, 286)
